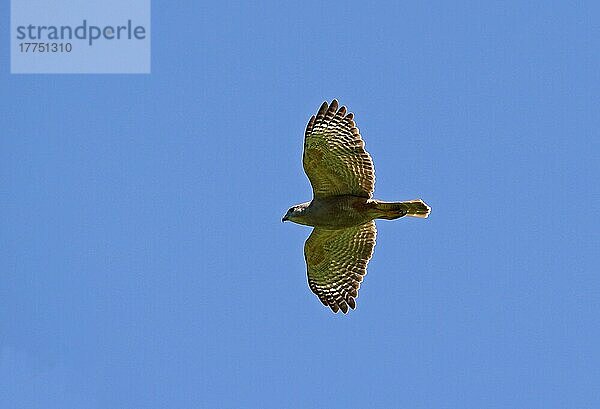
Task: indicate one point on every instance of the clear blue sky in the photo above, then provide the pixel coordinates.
(144, 264)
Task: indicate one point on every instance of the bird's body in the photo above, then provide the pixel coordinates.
(335, 212)
(342, 211)
(339, 212)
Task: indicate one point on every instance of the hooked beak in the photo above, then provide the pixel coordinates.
(283, 219)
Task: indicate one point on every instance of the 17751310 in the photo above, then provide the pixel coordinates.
(45, 47)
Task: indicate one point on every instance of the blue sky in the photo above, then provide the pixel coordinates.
(144, 264)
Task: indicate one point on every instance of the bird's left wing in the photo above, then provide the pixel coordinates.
(335, 159)
(336, 262)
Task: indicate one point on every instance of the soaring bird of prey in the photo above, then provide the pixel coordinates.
(342, 210)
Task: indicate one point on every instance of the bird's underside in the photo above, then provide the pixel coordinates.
(342, 211)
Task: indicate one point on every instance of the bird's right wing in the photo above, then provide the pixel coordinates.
(335, 159)
(336, 262)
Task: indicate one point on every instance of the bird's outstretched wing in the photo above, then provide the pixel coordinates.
(336, 262)
(335, 159)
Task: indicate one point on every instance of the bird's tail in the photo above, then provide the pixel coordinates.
(394, 210)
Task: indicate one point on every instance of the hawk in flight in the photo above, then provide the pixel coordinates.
(342, 211)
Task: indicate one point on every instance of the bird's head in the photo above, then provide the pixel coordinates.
(295, 213)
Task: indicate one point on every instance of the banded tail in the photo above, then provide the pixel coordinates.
(394, 210)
